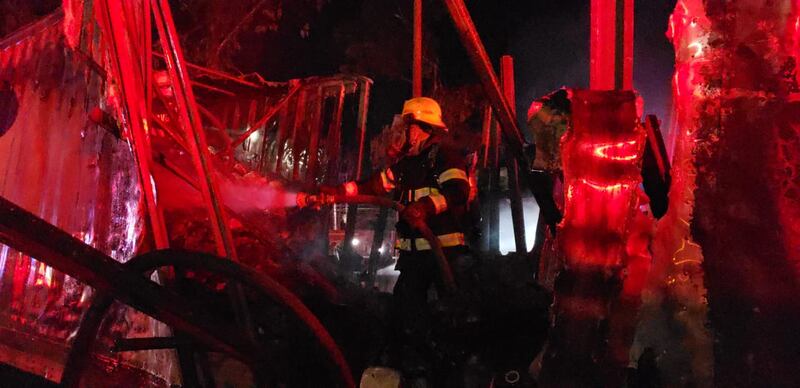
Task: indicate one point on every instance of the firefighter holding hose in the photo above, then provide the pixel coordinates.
(430, 180)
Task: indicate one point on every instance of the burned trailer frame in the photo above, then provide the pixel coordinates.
(189, 121)
(125, 282)
(184, 129)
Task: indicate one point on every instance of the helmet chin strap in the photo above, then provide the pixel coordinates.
(404, 150)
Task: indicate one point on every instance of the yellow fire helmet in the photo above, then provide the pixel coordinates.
(426, 110)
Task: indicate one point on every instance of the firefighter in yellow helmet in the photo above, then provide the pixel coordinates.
(430, 180)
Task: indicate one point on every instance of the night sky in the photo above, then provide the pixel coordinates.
(549, 41)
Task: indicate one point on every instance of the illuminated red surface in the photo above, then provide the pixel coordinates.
(730, 237)
(603, 45)
(601, 158)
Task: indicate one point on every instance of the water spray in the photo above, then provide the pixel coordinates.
(255, 196)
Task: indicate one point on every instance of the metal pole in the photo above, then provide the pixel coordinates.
(334, 141)
(364, 85)
(485, 180)
(626, 24)
(198, 147)
(109, 15)
(283, 132)
(611, 45)
(299, 119)
(602, 44)
(190, 121)
(217, 74)
(494, 189)
(254, 126)
(485, 138)
(480, 60)
(148, 57)
(513, 136)
(363, 107)
(417, 70)
(313, 144)
(515, 194)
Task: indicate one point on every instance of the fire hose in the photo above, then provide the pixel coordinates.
(305, 200)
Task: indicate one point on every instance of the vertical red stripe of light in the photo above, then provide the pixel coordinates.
(602, 44)
(627, 73)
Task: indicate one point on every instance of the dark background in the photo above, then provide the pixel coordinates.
(285, 39)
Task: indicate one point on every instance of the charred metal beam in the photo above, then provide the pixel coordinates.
(267, 116)
(283, 133)
(124, 67)
(515, 191)
(491, 86)
(192, 125)
(32, 236)
(215, 73)
(505, 115)
(313, 144)
(416, 72)
(364, 85)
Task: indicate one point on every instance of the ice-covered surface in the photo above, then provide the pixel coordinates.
(729, 245)
(75, 175)
(746, 203)
(673, 318)
(601, 282)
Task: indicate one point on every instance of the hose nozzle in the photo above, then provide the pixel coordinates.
(314, 201)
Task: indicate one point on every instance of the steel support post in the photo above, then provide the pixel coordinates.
(515, 192)
(483, 66)
(283, 131)
(486, 185)
(299, 119)
(135, 113)
(334, 141)
(493, 173)
(611, 45)
(417, 65)
(505, 116)
(192, 126)
(198, 147)
(255, 126)
(313, 144)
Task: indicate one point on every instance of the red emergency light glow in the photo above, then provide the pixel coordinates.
(351, 188)
(605, 187)
(624, 150)
(611, 45)
(601, 157)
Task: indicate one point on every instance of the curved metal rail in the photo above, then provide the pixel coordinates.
(151, 261)
(112, 280)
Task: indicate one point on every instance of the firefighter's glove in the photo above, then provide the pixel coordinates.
(415, 214)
